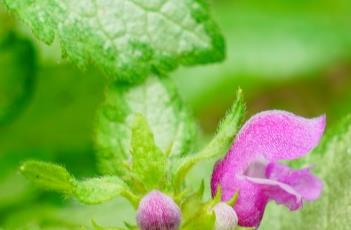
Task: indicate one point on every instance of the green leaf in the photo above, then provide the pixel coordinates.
(18, 72)
(219, 144)
(98, 227)
(127, 227)
(127, 39)
(332, 161)
(198, 215)
(49, 176)
(99, 190)
(90, 191)
(157, 100)
(148, 162)
(192, 202)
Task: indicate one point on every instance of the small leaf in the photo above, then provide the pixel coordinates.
(219, 144)
(148, 161)
(128, 39)
(98, 227)
(99, 190)
(192, 201)
(201, 219)
(157, 100)
(49, 176)
(90, 191)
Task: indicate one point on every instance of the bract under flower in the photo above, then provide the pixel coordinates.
(251, 165)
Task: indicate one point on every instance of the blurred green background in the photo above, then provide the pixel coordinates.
(290, 54)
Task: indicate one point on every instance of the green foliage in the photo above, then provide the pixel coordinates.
(219, 144)
(17, 79)
(331, 159)
(127, 39)
(49, 176)
(158, 102)
(197, 214)
(127, 227)
(149, 163)
(98, 190)
(90, 191)
(145, 135)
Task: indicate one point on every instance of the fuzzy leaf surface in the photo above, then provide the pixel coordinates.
(157, 101)
(127, 39)
(219, 144)
(56, 178)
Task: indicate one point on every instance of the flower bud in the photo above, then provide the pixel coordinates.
(158, 211)
(226, 218)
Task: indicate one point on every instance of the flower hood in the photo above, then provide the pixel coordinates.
(251, 166)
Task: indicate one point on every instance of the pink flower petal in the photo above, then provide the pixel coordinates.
(250, 204)
(281, 193)
(277, 135)
(267, 137)
(302, 181)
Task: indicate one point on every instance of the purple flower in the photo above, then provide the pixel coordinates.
(251, 165)
(158, 211)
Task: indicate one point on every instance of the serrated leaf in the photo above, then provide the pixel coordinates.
(219, 144)
(149, 163)
(127, 39)
(332, 162)
(157, 100)
(90, 191)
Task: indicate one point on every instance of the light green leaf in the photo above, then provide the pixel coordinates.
(202, 217)
(98, 190)
(127, 227)
(127, 39)
(332, 161)
(192, 201)
(219, 144)
(98, 227)
(90, 191)
(49, 176)
(148, 162)
(157, 100)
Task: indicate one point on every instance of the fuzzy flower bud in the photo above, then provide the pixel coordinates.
(226, 218)
(158, 211)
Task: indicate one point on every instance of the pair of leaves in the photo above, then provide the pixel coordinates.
(332, 162)
(143, 162)
(127, 39)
